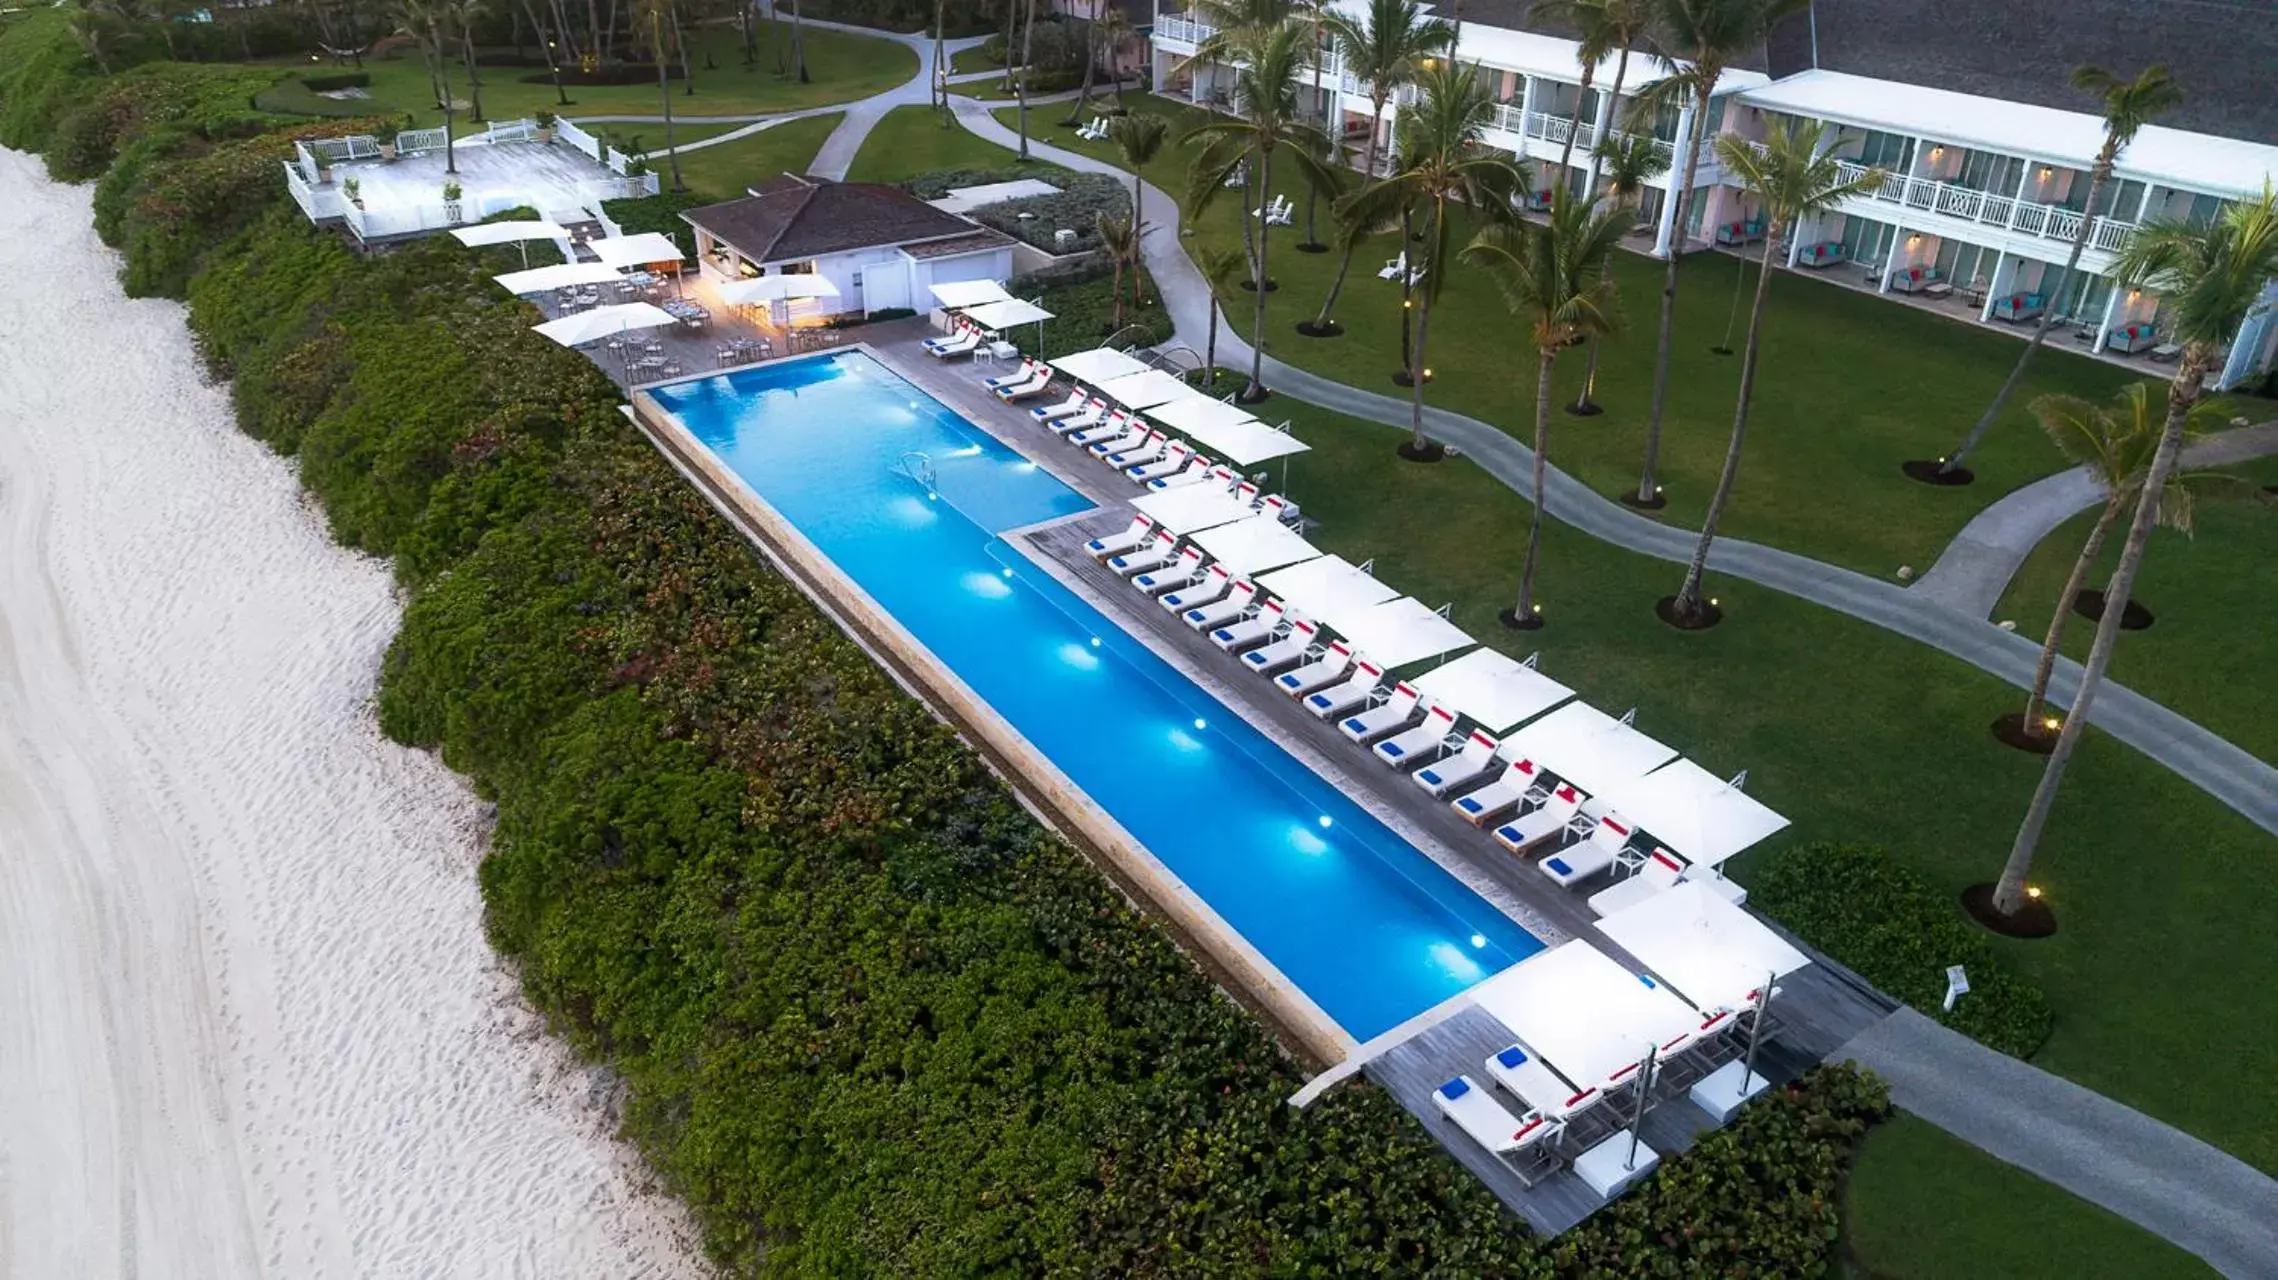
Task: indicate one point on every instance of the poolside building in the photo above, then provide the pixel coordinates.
(1968, 108)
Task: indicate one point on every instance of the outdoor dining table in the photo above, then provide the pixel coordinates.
(691, 315)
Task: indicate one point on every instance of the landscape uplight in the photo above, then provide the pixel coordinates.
(2033, 891)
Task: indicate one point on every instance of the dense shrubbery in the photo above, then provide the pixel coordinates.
(961, 17)
(208, 101)
(1083, 309)
(1862, 907)
(939, 182)
(1076, 207)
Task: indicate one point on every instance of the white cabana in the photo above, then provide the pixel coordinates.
(1327, 587)
(634, 251)
(1713, 952)
(1255, 545)
(1146, 389)
(1694, 812)
(540, 279)
(1245, 443)
(1587, 1016)
(1398, 632)
(1190, 507)
(958, 294)
(1098, 365)
(1493, 690)
(1588, 748)
(1201, 415)
(508, 232)
(602, 322)
(1006, 314)
(757, 290)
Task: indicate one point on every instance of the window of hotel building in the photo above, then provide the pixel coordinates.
(1665, 123)
(1865, 239)
(1988, 171)
(2121, 199)
(1716, 114)
(1883, 150)
(1510, 87)
(2082, 297)
(1962, 263)
(2204, 210)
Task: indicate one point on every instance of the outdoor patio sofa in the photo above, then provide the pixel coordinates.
(2128, 339)
(1824, 254)
(2019, 307)
(1746, 231)
(1915, 279)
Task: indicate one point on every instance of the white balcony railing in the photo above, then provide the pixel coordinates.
(1988, 209)
(569, 132)
(1182, 29)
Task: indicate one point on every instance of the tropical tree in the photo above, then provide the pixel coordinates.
(465, 13)
(1630, 161)
(2115, 445)
(1270, 63)
(655, 11)
(1441, 163)
(1219, 264)
(2213, 278)
(799, 43)
(1384, 51)
(1695, 41)
(1114, 29)
(1027, 69)
(1139, 139)
(1338, 183)
(1626, 25)
(2128, 106)
(1791, 180)
(1595, 41)
(1120, 237)
(1091, 68)
(1554, 280)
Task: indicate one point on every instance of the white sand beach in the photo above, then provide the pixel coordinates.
(249, 1025)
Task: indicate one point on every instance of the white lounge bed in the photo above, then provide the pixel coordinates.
(1132, 537)
(1091, 415)
(1186, 568)
(1319, 672)
(1238, 634)
(1287, 651)
(964, 329)
(1354, 690)
(1139, 455)
(1535, 1084)
(1197, 471)
(1484, 1120)
(1212, 587)
(1509, 789)
(1542, 822)
(1174, 458)
(1157, 553)
(1473, 761)
(1660, 870)
(1035, 385)
(1027, 370)
(1415, 746)
(1394, 712)
(1240, 598)
(1067, 408)
(1135, 433)
(1590, 855)
(1113, 427)
(965, 343)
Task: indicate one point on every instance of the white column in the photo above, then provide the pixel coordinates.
(1526, 105)
(1605, 118)
(2143, 206)
(2246, 347)
(1890, 255)
(1664, 243)
(1996, 285)
(2018, 202)
(2104, 326)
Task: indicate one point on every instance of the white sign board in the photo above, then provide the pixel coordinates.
(1957, 983)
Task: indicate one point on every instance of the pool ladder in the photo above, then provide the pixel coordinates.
(919, 467)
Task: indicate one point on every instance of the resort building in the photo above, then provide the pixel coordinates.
(1967, 108)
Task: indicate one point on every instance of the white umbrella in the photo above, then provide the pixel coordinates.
(1398, 632)
(1255, 545)
(1707, 948)
(1200, 416)
(508, 232)
(1327, 587)
(777, 288)
(1190, 507)
(540, 279)
(1098, 365)
(602, 322)
(1245, 443)
(1006, 314)
(633, 251)
(1588, 748)
(1146, 389)
(1493, 690)
(1583, 1013)
(1694, 812)
(957, 294)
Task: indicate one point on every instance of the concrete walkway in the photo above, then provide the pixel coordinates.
(1975, 568)
(2223, 770)
(2152, 1174)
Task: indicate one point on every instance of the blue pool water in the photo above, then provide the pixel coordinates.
(1370, 928)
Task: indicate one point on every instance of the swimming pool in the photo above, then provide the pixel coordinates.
(1371, 929)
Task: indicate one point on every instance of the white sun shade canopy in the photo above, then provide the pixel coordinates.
(1586, 1015)
(1588, 748)
(1325, 587)
(1493, 690)
(633, 251)
(602, 322)
(776, 288)
(509, 232)
(1201, 415)
(1006, 314)
(1146, 389)
(957, 294)
(1098, 365)
(1712, 952)
(1255, 545)
(540, 279)
(1244, 443)
(1694, 812)
(1398, 632)
(1191, 507)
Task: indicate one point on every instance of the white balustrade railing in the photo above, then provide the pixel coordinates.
(412, 142)
(524, 130)
(578, 138)
(2046, 221)
(1182, 29)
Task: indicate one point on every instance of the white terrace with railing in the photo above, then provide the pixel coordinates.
(394, 188)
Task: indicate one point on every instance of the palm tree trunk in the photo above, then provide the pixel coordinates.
(1376, 99)
(1115, 316)
(1210, 349)
(1574, 128)
(1257, 389)
(2182, 394)
(937, 93)
(1020, 84)
(1612, 124)
(1549, 357)
(2099, 176)
(1683, 196)
(664, 93)
(474, 77)
(743, 31)
(1417, 441)
(680, 40)
(1336, 286)
(1091, 69)
(2038, 696)
(1689, 596)
(799, 43)
(553, 60)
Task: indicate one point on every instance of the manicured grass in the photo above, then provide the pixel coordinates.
(2207, 653)
(725, 171)
(1926, 1206)
(650, 137)
(970, 61)
(911, 140)
(1170, 163)
(842, 68)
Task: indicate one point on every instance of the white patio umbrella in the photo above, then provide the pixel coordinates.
(633, 251)
(1493, 690)
(779, 288)
(1694, 812)
(1588, 748)
(1398, 632)
(1700, 943)
(1200, 416)
(1010, 312)
(519, 234)
(1098, 365)
(1327, 586)
(562, 276)
(1191, 507)
(1146, 389)
(1584, 1014)
(603, 322)
(1255, 545)
(955, 295)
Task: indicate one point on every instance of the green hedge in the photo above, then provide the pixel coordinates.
(1862, 907)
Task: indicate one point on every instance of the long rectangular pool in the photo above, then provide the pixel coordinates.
(1370, 928)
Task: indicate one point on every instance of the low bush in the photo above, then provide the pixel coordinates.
(856, 319)
(935, 184)
(212, 102)
(1083, 310)
(1859, 905)
(336, 81)
(659, 213)
(1076, 207)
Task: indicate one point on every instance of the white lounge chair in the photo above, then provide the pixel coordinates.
(1413, 747)
(1287, 651)
(1175, 456)
(1541, 822)
(1356, 689)
(1067, 408)
(1131, 538)
(1318, 672)
(1154, 555)
(1518, 778)
(1239, 599)
(1394, 269)
(1535, 1084)
(1140, 454)
(958, 333)
(1472, 762)
(1394, 712)
(1263, 626)
(1091, 415)
(1119, 427)
(1281, 509)
(1592, 854)
(1135, 433)
(1485, 1121)
(1197, 470)
(1178, 573)
(1026, 371)
(1212, 587)
(1036, 384)
(964, 345)
(1659, 871)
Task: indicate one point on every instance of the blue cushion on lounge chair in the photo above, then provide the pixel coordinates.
(1287, 680)
(1319, 699)
(1354, 723)
(1560, 866)
(1393, 749)
(1222, 633)
(1428, 776)
(1455, 1088)
(1509, 831)
(1512, 1057)
(1467, 804)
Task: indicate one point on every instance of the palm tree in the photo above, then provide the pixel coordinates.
(1441, 163)
(1384, 53)
(1218, 265)
(1631, 161)
(2213, 278)
(1271, 62)
(1697, 39)
(799, 43)
(1791, 180)
(465, 12)
(1139, 138)
(2115, 445)
(2128, 106)
(1120, 237)
(1626, 24)
(654, 11)
(1595, 42)
(1114, 28)
(1091, 66)
(1338, 183)
(1554, 279)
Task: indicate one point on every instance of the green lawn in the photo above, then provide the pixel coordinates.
(1925, 1206)
(725, 171)
(843, 68)
(650, 137)
(2207, 653)
(913, 140)
(976, 59)
(1170, 163)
